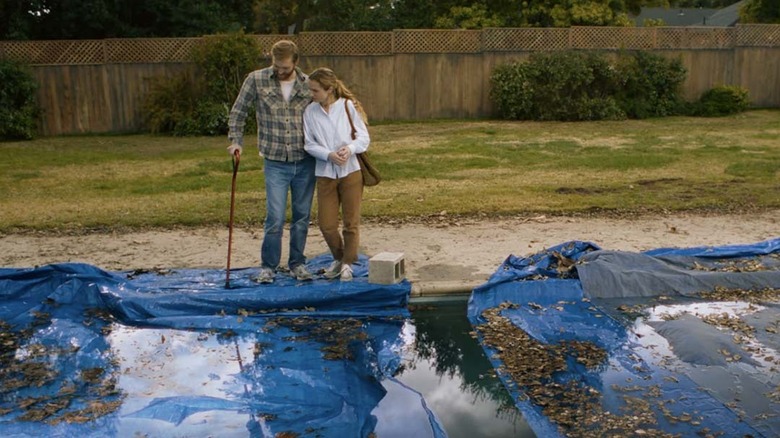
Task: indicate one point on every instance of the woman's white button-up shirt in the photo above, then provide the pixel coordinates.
(327, 131)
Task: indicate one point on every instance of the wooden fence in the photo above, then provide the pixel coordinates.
(99, 85)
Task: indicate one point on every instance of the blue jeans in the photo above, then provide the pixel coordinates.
(280, 178)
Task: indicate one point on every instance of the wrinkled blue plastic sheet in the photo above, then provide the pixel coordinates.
(93, 353)
(552, 306)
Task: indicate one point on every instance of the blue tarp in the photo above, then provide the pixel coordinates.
(647, 367)
(91, 353)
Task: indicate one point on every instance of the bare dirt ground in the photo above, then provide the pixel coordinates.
(444, 254)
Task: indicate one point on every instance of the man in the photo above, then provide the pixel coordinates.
(279, 94)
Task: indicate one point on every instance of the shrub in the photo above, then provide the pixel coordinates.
(183, 105)
(650, 85)
(580, 86)
(170, 105)
(224, 61)
(556, 86)
(19, 110)
(722, 101)
(510, 90)
(212, 117)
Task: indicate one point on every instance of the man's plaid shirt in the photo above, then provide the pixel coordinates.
(279, 122)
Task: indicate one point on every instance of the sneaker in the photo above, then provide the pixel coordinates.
(333, 271)
(300, 273)
(346, 273)
(265, 276)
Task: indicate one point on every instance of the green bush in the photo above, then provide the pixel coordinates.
(722, 101)
(212, 117)
(585, 86)
(224, 61)
(556, 86)
(170, 105)
(182, 105)
(510, 90)
(19, 110)
(650, 85)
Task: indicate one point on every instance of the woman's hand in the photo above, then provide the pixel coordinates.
(344, 152)
(341, 156)
(338, 158)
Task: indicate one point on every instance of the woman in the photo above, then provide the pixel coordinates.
(334, 130)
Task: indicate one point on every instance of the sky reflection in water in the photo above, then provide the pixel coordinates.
(441, 361)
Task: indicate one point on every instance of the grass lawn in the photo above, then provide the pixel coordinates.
(672, 164)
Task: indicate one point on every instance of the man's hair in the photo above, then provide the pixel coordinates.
(285, 49)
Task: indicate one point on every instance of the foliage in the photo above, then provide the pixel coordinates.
(277, 16)
(224, 61)
(556, 86)
(653, 22)
(578, 86)
(475, 16)
(650, 85)
(74, 19)
(760, 11)
(183, 105)
(352, 15)
(541, 13)
(19, 110)
(722, 100)
(171, 103)
(77, 19)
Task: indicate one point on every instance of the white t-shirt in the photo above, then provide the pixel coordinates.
(287, 87)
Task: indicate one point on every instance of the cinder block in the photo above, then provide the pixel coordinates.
(386, 268)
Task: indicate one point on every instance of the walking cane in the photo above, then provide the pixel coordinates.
(236, 159)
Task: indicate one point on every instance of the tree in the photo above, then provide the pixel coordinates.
(351, 15)
(551, 13)
(279, 16)
(760, 11)
(468, 17)
(79, 19)
(14, 24)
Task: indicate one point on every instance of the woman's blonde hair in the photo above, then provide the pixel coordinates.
(328, 79)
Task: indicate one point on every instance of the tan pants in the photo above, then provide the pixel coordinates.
(347, 193)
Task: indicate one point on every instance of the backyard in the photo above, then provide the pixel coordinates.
(457, 198)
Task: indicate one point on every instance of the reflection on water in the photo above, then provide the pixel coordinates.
(449, 368)
(205, 381)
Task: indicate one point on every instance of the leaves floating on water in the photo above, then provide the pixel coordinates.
(24, 366)
(574, 406)
(336, 334)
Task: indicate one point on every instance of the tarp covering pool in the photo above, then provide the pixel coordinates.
(669, 342)
(91, 353)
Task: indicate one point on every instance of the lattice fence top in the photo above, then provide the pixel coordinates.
(611, 38)
(696, 37)
(267, 41)
(437, 41)
(157, 50)
(150, 50)
(55, 52)
(522, 39)
(346, 43)
(762, 35)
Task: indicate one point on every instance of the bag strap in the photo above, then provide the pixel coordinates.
(351, 124)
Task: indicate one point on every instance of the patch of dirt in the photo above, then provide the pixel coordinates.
(441, 248)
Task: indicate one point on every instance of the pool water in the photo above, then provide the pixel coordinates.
(444, 363)
(147, 381)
